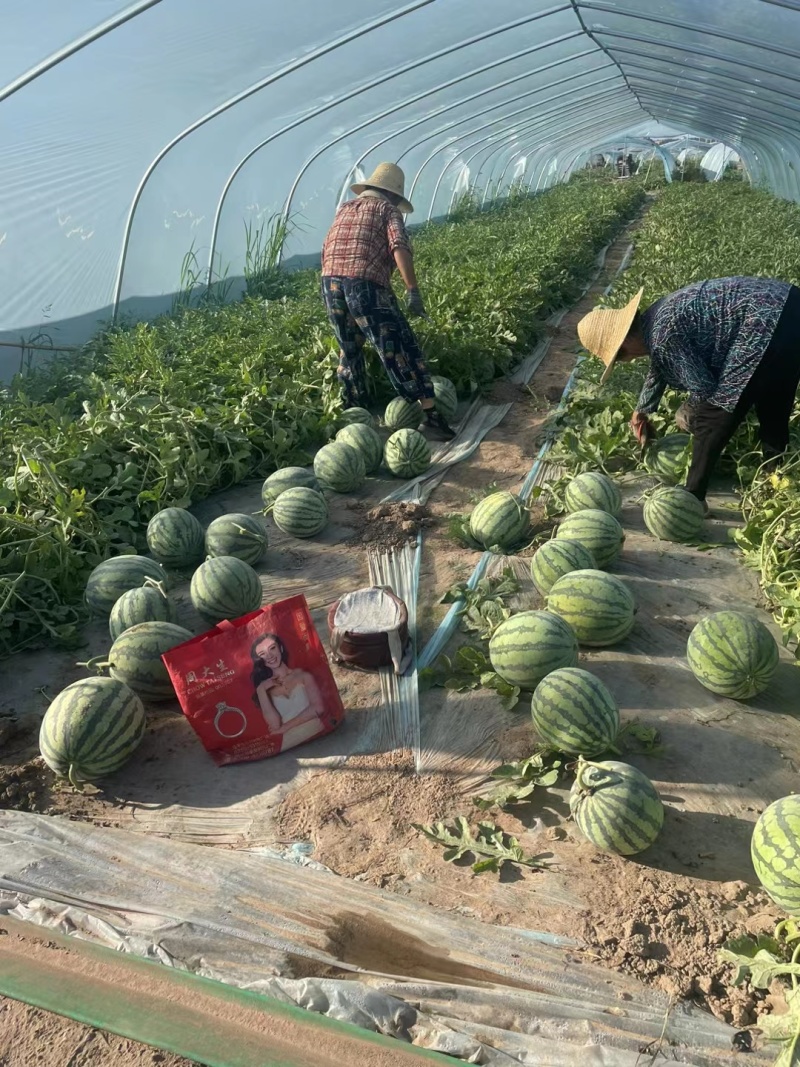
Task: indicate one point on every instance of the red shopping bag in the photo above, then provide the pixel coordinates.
(258, 685)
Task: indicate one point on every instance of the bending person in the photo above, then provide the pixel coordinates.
(732, 344)
(367, 240)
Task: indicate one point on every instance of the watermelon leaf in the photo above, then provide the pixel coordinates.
(490, 842)
(520, 780)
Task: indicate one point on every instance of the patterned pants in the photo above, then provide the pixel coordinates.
(358, 311)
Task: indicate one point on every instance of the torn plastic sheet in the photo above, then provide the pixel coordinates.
(481, 993)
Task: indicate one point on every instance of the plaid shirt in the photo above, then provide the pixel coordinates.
(362, 240)
(708, 339)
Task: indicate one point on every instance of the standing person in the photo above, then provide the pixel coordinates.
(732, 344)
(367, 240)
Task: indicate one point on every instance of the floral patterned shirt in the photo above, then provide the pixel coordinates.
(708, 339)
(362, 240)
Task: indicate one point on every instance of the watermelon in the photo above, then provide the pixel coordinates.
(237, 535)
(355, 416)
(445, 398)
(340, 467)
(775, 848)
(574, 712)
(113, 577)
(176, 538)
(598, 606)
(148, 604)
(367, 441)
(670, 457)
(301, 512)
(500, 522)
(596, 530)
(528, 646)
(407, 454)
(286, 478)
(732, 654)
(592, 491)
(135, 658)
(557, 558)
(402, 414)
(91, 728)
(226, 588)
(616, 807)
(672, 514)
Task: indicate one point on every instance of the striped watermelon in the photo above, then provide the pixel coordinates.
(595, 530)
(286, 478)
(352, 416)
(175, 538)
(616, 807)
(670, 457)
(340, 467)
(402, 414)
(301, 512)
(113, 577)
(148, 604)
(774, 848)
(237, 535)
(598, 606)
(528, 646)
(557, 558)
(407, 454)
(500, 522)
(135, 658)
(445, 398)
(226, 588)
(672, 514)
(574, 712)
(732, 654)
(593, 491)
(367, 441)
(90, 729)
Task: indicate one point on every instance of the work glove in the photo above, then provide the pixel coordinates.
(642, 428)
(415, 304)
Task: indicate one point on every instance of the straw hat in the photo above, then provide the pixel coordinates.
(603, 330)
(387, 176)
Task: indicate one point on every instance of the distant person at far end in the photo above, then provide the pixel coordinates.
(732, 344)
(367, 240)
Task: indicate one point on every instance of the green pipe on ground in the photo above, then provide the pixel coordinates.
(176, 1011)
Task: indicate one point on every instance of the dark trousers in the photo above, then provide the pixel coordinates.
(771, 391)
(358, 311)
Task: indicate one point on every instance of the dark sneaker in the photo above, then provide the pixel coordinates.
(434, 420)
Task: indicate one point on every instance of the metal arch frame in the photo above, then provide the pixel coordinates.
(758, 113)
(251, 90)
(488, 125)
(438, 149)
(491, 138)
(713, 74)
(524, 111)
(527, 148)
(99, 31)
(755, 104)
(723, 110)
(482, 92)
(663, 20)
(565, 143)
(706, 53)
(643, 142)
(594, 39)
(380, 80)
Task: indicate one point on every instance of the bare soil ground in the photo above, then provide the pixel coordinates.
(661, 918)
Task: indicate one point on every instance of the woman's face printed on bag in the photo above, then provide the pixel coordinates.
(269, 652)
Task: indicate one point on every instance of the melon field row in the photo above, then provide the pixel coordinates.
(695, 232)
(153, 415)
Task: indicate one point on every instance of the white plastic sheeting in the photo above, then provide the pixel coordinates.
(716, 161)
(136, 133)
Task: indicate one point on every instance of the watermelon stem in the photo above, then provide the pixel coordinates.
(73, 780)
(98, 664)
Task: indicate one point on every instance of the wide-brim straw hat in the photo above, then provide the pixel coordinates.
(390, 178)
(603, 330)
